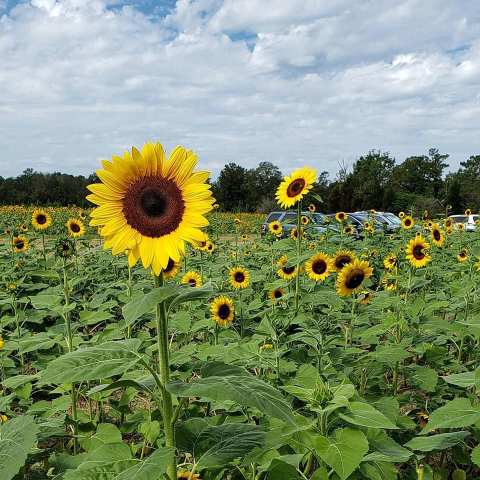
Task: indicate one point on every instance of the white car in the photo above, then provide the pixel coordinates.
(467, 220)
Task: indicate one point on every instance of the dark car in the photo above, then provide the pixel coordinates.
(288, 219)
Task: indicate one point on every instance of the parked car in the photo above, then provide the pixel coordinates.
(467, 220)
(288, 219)
(385, 221)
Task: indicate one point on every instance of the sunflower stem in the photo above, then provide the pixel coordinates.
(299, 250)
(164, 371)
(68, 328)
(43, 251)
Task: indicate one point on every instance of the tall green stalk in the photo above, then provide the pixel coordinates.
(164, 371)
(299, 251)
(69, 332)
(43, 251)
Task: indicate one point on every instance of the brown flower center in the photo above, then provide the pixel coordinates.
(295, 187)
(224, 311)
(354, 279)
(407, 222)
(75, 227)
(153, 206)
(170, 266)
(418, 252)
(436, 235)
(288, 270)
(19, 244)
(319, 267)
(239, 277)
(277, 293)
(340, 262)
(41, 219)
(192, 282)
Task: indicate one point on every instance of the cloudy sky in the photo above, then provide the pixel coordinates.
(295, 82)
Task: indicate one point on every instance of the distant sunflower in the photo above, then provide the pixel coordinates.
(351, 277)
(318, 267)
(239, 278)
(348, 230)
(287, 273)
(244, 237)
(477, 264)
(8, 232)
(275, 228)
(294, 233)
(193, 279)
(460, 227)
(75, 228)
(417, 252)
(20, 244)
(438, 238)
(311, 208)
(295, 187)
(390, 261)
(209, 247)
(468, 211)
(448, 223)
(462, 255)
(222, 310)
(341, 216)
(429, 223)
(407, 222)
(23, 228)
(401, 214)
(312, 246)
(276, 294)
(150, 205)
(82, 215)
(41, 219)
(342, 258)
(365, 297)
(65, 248)
(171, 270)
(388, 283)
(186, 475)
(305, 220)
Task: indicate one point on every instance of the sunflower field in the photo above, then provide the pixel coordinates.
(153, 337)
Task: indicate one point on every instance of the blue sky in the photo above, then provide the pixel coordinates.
(294, 82)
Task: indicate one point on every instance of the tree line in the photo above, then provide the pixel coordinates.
(375, 180)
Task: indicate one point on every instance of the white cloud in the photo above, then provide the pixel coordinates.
(322, 82)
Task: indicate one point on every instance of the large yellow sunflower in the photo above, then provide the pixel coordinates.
(275, 228)
(318, 267)
(41, 219)
(239, 278)
(150, 205)
(20, 244)
(438, 238)
(351, 277)
(171, 269)
(222, 310)
(295, 187)
(341, 258)
(407, 222)
(417, 252)
(75, 227)
(287, 273)
(193, 279)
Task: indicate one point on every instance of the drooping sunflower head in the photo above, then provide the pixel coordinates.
(365, 297)
(390, 261)
(293, 188)
(275, 228)
(462, 255)
(342, 258)
(171, 270)
(222, 310)
(305, 220)
(438, 238)
(319, 267)
(64, 248)
(425, 214)
(239, 278)
(341, 216)
(468, 211)
(20, 244)
(75, 228)
(311, 208)
(193, 279)
(276, 294)
(151, 205)
(407, 222)
(294, 233)
(417, 252)
(41, 219)
(286, 272)
(351, 277)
